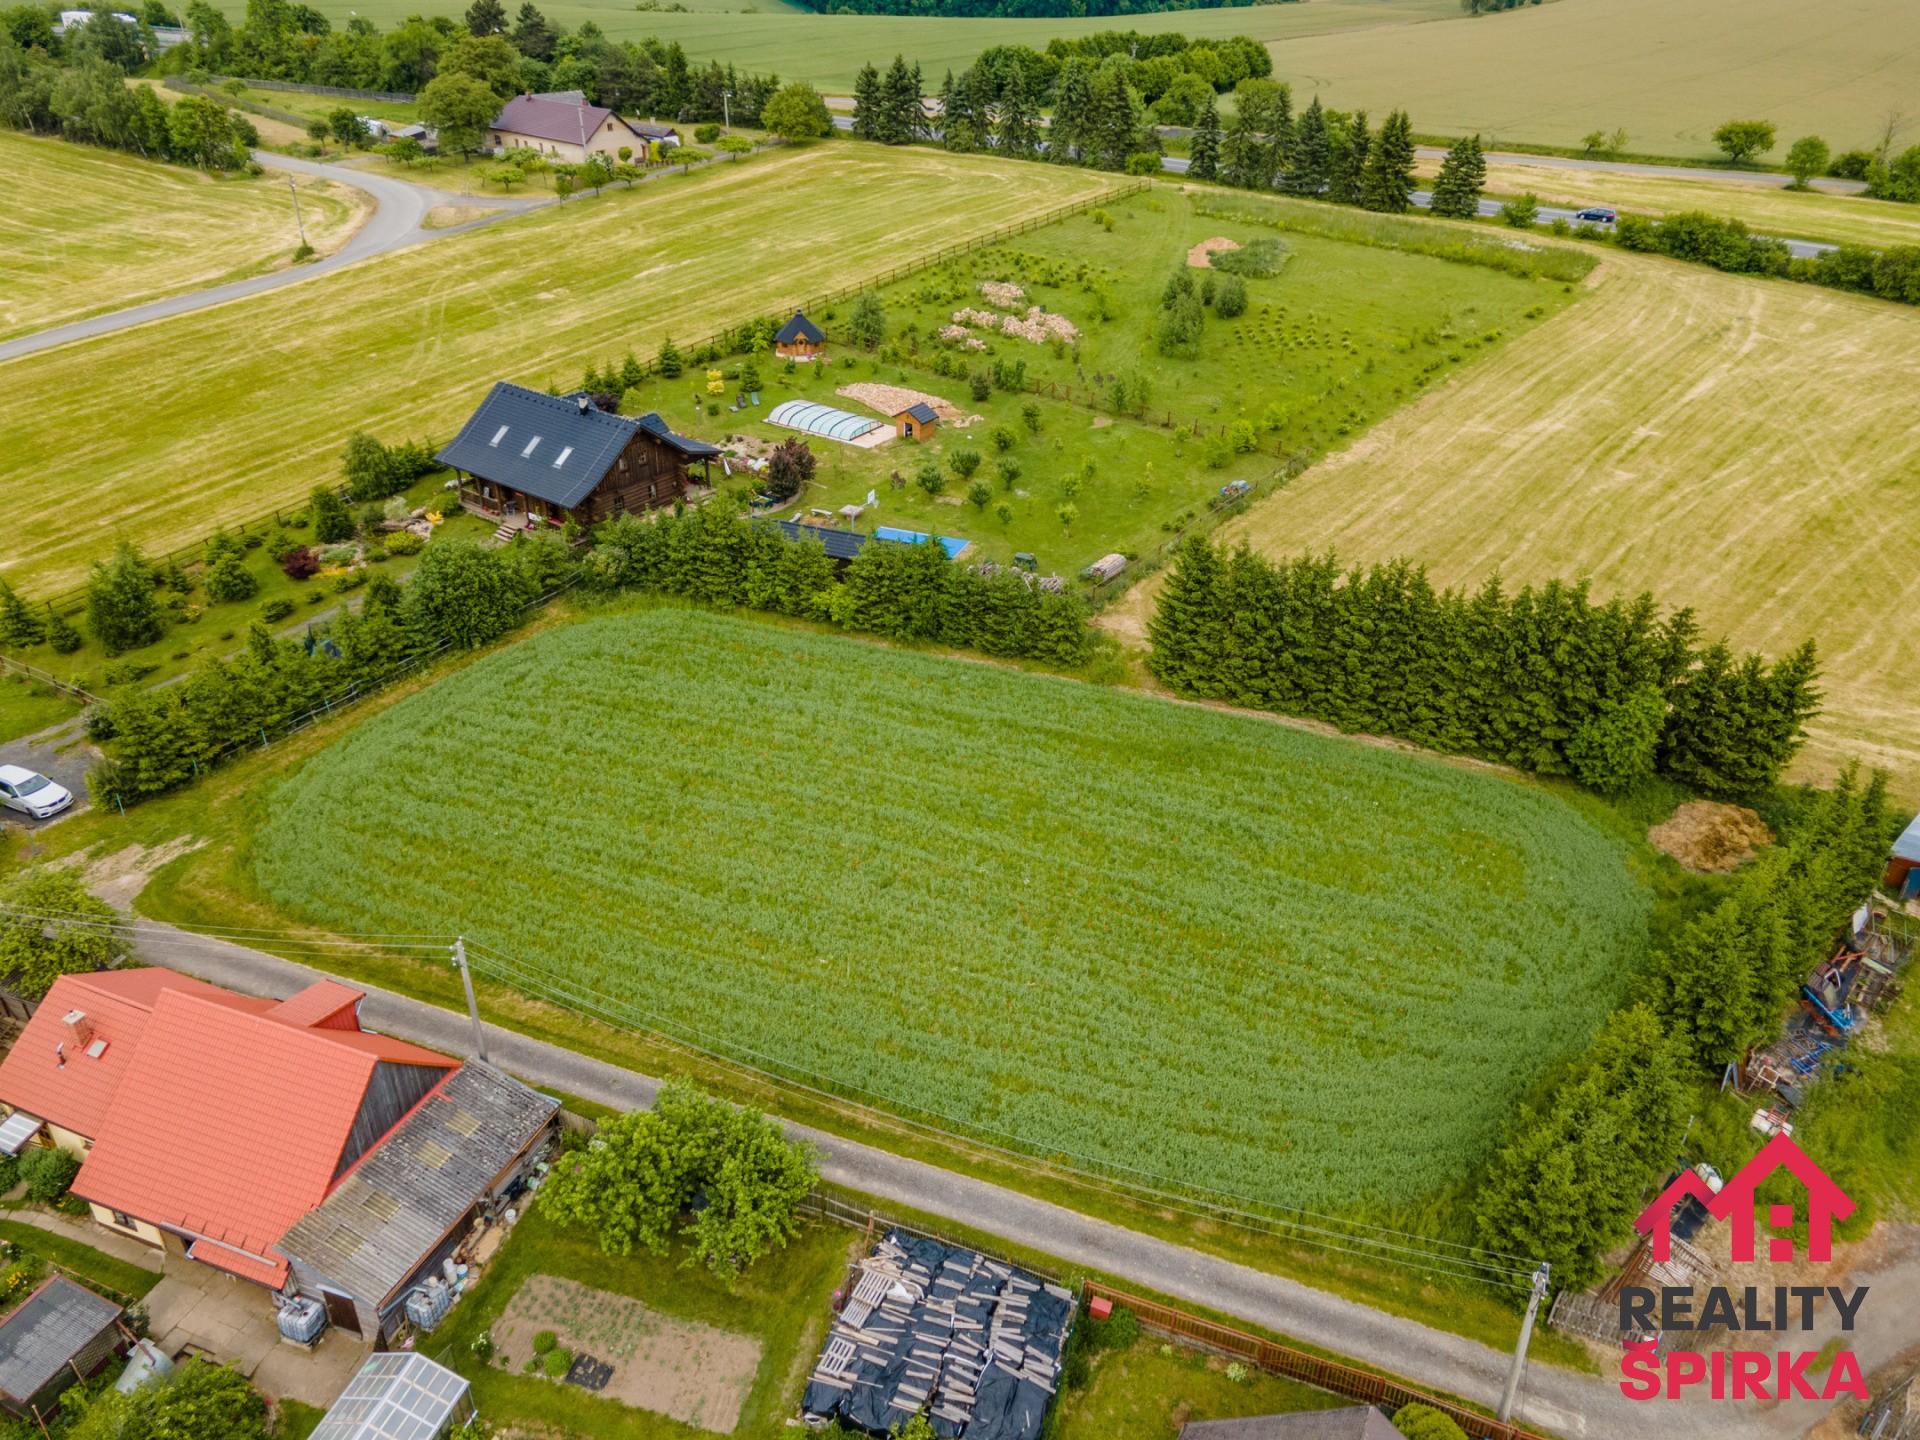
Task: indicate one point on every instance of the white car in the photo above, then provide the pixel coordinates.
(21, 789)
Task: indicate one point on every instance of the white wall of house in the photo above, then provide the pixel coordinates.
(607, 140)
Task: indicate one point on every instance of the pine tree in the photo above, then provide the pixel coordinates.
(1017, 134)
(1116, 121)
(62, 636)
(1068, 135)
(121, 609)
(1307, 167)
(900, 112)
(532, 35)
(1189, 621)
(486, 17)
(19, 625)
(962, 115)
(1456, 191)
(866, 103)
(1243, 156)
(669, 362)
(1347, 162)
(1387, 183)
(1204, 161)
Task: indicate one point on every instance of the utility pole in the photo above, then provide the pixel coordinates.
(1508, 1395)
(726, 111)
(480, 1038)
(294, 191)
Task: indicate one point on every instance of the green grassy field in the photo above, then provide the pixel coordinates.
(27, 707)
(1742, 446)
(1376, 947)
(87, 230)
(1343, 335)
(261, 395)
(1151, 1389)
(828, 50)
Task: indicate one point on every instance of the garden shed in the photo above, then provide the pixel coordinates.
(1904, 863)
(62, 1333)
(917, 421)
(842, 546)
(399, 1396)
(798, 339)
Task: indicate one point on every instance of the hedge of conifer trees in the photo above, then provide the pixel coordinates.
(1574, 1170)
(903, 592)
(1543, 679)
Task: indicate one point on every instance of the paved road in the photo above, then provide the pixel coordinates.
(1765, 178)
(396, 222)
(1570, 1404)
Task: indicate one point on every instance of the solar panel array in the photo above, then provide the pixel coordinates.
(395, 1397)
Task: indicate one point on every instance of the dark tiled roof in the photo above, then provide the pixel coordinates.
(839, 544)
(558, 117)
(922, 412)
(654, 132)
(52, 1325)
(1357, 1422)
(798, 328)
(541, 445)
(685, 444)
(387, 1216)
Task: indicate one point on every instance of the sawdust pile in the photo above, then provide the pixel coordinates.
(1707, 836)
(890, 400)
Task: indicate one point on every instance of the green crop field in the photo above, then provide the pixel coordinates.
(828, 50)
(257, 398)
(86, 230)
(1667, 71)
(1197, 944)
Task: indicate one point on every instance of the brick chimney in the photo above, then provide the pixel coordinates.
(79, 1028)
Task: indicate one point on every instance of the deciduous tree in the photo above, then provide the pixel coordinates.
(460, 108)
(54, 926)
(1744, 139)
(796, 112)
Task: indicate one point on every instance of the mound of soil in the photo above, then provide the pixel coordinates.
(1712, 838)
(1201, 254)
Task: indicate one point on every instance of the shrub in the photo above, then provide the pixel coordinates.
(556, 1363)
(544, 1341)
(300, 563)
(1521, 212)
(1009, 469)
(39, 952)
(230, 580)
(789, 467)
(980, 386)
(1003, 438)
(964, 462)
(405, 542)
(1231, 301)
(1030, 413)
(463, 596)
(1423, 1422)
(9, 1172)
(339, 555)
(276, 609)
(706, 134)
(931, 479)
(62, 636)
(980, 493)
(1851, 164)
(332, 521)
(49, 1174)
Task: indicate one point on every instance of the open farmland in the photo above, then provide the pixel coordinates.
(262, 394)
(86, 230)
(1160, 936)
(1747, 447)
(1668, 71)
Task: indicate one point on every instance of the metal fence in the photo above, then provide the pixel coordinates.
(1315, 1370)
(394, 97)
(252, 107)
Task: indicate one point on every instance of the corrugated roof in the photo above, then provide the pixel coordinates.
(798, 328)
(1907, 847)
(117, 1004)
(52, 1325)
(1357, 1422)
(839, 544)
(395, 1397)
(372, 1232)
(556, 116)
(231, 1124)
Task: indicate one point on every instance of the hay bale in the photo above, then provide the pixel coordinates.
(1709, 837)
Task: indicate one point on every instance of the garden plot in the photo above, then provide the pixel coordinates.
(691, 1372)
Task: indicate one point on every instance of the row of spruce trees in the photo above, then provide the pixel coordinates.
(1575, 1169)
(463, 596)
(1543, 679)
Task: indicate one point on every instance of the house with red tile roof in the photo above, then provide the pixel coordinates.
(210, 1124)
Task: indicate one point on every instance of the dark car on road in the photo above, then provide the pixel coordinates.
(1597, 215)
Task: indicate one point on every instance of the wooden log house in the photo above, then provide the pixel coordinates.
(544, 459)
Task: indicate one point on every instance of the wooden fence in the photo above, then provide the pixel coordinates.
(1356, 1384)
(52, 682)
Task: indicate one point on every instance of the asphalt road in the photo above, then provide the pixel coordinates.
(1570, 1404)
(396, 222)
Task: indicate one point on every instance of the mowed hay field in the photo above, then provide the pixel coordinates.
(1165, 937)
(1771, 209)
(1747, 447)
(85, 230)
(1668, 71)
(254, 401)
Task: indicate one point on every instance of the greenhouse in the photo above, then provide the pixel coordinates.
(398, 1397)
(823, 420)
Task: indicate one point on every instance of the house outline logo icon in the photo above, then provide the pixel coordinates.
(1826, 1203)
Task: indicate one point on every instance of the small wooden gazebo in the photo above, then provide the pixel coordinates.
(798, 339)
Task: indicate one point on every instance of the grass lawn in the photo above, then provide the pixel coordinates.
(1771, 209)
(1151, 1389)
(261, 395)
(133, 1281)
(27, 706)
(992, 919)
(87, 229)
(1742, 446)
(782, 1302)
(200, 629)
(293, 1420)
